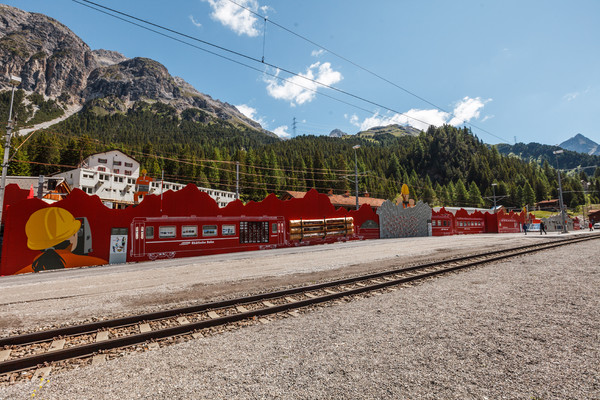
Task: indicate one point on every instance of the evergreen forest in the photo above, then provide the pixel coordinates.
(444, 166)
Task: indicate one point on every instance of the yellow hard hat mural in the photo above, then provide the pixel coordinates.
(50, 226)
(54, 231)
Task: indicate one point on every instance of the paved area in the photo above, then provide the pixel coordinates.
(527, 328)
(48, 298)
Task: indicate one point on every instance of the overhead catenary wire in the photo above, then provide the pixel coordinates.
(244, 184)
(318, 171)
(248, 174)
(361, 67)
(228, 58)
(206, 165)
(222, 48)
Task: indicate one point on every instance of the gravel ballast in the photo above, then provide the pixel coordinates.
(527, 328)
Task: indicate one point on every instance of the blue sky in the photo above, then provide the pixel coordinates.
(524, 69)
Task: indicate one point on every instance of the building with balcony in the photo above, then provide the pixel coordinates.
(111, 175)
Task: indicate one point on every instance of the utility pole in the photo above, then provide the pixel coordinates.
(494, 198)
(356, 173)
(40, 193)
(294, 126)
(14, 82)
(560, 195)
(237, 180)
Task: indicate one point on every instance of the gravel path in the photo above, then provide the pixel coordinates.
(522, 329)
(31, 300)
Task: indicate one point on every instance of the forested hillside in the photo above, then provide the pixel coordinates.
(136, 105)
(443, 166)
(541, 153)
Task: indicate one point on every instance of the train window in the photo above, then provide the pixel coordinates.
(274, 227)
(149, 232)
(166, 232)
(209, 230)
(228, 230)
(189, 231)
(254, 232)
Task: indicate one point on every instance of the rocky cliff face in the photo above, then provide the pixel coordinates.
(108, 57)
(393, 129)
(581, 144)
(49, 58)
(53, 61)
(337, 133)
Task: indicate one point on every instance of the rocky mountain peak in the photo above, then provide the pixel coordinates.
(108, 57)
(49, 58)
(337, 133)
(581, 144)
(53, 61)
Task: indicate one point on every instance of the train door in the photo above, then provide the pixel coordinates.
(280, 231)
(118, 246)
(138, 247)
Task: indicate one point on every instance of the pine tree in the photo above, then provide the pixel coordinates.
(19, 166)
(528, 195)
(461, 196)
(475, 199)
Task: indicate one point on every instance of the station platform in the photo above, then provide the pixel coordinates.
(32, 300)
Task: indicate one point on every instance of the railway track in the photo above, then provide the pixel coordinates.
(31, 354)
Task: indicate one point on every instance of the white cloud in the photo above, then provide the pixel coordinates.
(467, 109)
(572, 96)
(238, 19)
(282, 132)
(196, 23)
(251, 113)
(297, 90)
(317, 53)
(464, 111)
(265, 9)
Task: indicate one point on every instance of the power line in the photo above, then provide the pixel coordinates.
(235, 61)
(360, 67)
(318, 171)
(245, 56)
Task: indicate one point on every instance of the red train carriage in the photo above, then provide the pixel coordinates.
(469, 223)
(442, 223)
(168, 237)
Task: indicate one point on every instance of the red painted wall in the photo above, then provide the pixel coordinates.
(442, 222)
(186, 202)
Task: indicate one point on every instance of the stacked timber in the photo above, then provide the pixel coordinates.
(301, 229)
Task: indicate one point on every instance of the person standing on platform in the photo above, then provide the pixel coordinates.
(525, 227)
(543, 228)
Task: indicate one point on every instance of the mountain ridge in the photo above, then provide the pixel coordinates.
(54, 62)
(581, 144)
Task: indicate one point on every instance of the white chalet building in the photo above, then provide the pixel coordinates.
(111, 176)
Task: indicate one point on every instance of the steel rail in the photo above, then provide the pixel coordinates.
(35, 337)
(91, 348)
